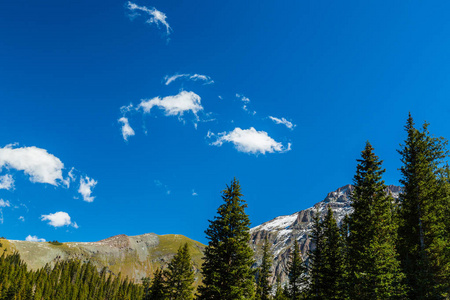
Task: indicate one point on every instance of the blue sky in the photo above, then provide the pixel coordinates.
(131, 117)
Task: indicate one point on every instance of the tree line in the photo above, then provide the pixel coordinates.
(388, 248)
(66, 280)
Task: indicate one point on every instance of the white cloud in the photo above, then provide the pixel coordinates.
(6, 182)
(243, 98)
(40, 165)
(22, 218)
(4, 203)
(156, 17)
(175, 105)
(127, 131)
(195, 77)
(283, 121)
(249, 141)
(33, 238)
(86, 186)
(246, 101)
(72, 175)
(57, 219)
(158, 183)
(194, 193)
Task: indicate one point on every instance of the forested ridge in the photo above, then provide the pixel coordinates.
(386, 249)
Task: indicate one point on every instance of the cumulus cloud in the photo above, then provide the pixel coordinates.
(57, 219)
(4, 203)
(40, 165)
(6, 182)
(249, 141)
(175, 105)
(86, 186)
(33, 238)
(196, 77)
(127, 131)
(156, 17)
(283, 121)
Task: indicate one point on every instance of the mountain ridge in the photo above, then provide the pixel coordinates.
(283, 230)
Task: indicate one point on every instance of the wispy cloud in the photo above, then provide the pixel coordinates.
(58, 219)
(246, 102)
(6, 182)
(33, 238)
(85, 189)
(249, 141)
(175, 105)
(22, 218)
(155, 16)
(4, 203)
(196, 77)
(283, 121)
(127, 131)
(158, 183)
(194, 193)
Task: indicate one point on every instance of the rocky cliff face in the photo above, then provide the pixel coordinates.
(282, 231)
(132, 256)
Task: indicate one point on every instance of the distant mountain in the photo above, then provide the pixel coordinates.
(133, 256)
(139, 256)
(282, 231)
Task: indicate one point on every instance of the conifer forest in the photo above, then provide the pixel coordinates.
(388, 248)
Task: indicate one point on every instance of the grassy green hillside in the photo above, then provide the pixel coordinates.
(132, 256)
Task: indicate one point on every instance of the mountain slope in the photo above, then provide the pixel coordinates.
(282, 231)
(133, 256)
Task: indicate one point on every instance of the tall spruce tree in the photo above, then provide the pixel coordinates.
(279, 291)
(374, 268)
(158, 290)
(179, 275)
(227, 272)
(297, 274)
(327, 260)
(263, 287)
(424, 214)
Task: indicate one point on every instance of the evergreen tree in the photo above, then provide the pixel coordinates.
(180, 275)
(424, 214)
(146, 284)
(279, 292)
(297, 274)
(327, 260)
(227, 273)
(263, 287)
(158, 286)
(374, 268)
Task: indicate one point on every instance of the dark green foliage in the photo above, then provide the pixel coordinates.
(263, 287)
(279, 292)
(374, 268)
(180, 276)
(424, 214)
(227, 273)
(146, 284)
(66, 280)
(327, 260)
(158, 290)
(297, 274)
(55, 242)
